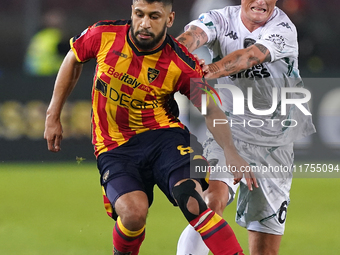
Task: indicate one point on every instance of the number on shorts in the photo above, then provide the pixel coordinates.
(283, 212)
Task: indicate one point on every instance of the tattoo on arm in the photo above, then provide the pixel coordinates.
(261, 48)
(194, 37)
(192, 28)
(183, 40)
(231, 66)
(198, 43)
(251, 61)
(203, 35)
(213, 68)
(265, 51)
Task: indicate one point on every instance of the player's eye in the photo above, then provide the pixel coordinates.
(139, 14)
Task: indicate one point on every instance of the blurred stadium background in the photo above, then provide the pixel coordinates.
(52, 205)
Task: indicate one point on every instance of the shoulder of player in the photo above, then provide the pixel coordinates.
(95, 31)
(110, 25)
(226, 13)
(182, 53)
(282, 22)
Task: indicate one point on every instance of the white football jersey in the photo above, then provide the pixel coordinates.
(262, 121)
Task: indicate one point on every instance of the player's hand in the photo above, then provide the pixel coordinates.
(250, 178)
(240, 168)
(53, 134)
(211, 71)
(201, 61)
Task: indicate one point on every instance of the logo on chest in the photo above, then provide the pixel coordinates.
(152, 74)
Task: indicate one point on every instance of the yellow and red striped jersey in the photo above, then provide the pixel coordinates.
(133, 90)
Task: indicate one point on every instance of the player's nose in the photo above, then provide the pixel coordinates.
(145, 22)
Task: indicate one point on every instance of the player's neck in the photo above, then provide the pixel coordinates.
(146, 50)
(251, 26)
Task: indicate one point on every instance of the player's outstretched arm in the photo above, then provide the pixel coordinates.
(193, 38)
(67, 78)
(237, 61)
(222, 135)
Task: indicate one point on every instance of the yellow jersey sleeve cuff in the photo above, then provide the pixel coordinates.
(74, 51)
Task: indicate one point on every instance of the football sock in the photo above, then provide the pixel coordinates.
(126, 242)
(216, 233)
(190, 242)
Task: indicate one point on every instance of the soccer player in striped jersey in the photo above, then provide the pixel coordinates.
(253, 47)
(137, 136)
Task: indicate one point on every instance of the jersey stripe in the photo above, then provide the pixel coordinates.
(135, 66)
(122, 118)
(164, 64)
(117, 46)
(133, 90)
(148, 119)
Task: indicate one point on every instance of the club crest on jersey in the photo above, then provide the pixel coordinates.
(152, 74)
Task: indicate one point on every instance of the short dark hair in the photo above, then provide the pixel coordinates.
(165, 2)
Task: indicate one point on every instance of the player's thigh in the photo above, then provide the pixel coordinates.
(264, 209)
(178, 154)
(120, 175)
(263, 243)
(219, 172)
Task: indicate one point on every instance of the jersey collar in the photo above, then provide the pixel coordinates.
(139, 52)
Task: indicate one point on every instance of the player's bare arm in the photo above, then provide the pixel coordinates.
(222, 135)
(193, 38)
(67, 78)
(238, 61)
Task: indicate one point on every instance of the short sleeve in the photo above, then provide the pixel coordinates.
(280, 38)
(212, 23)
(86, 45)
(193, 87)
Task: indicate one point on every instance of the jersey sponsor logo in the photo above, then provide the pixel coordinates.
(124, 77)
(184, 150)
(130, 80)
(285, 24)
(101, 86)
(232, 35)
(126, 101)
(152, 74)
(145, 88)
(248, 42)
(278, 40)
(256, 72)
(118, 53)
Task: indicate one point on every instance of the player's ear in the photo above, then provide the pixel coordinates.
(171, 19)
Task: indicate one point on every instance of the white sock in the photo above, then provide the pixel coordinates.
(191, 243)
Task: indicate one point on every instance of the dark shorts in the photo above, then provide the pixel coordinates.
(162, 157)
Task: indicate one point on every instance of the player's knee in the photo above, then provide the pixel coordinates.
(216, 205)
(133, 218)
(216, 197)
(189, 200)
(132, 208)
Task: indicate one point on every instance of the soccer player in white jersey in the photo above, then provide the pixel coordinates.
(254, 46)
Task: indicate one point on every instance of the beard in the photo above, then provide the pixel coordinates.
(147, 44)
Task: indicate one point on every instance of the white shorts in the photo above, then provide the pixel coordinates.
(265, 208)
